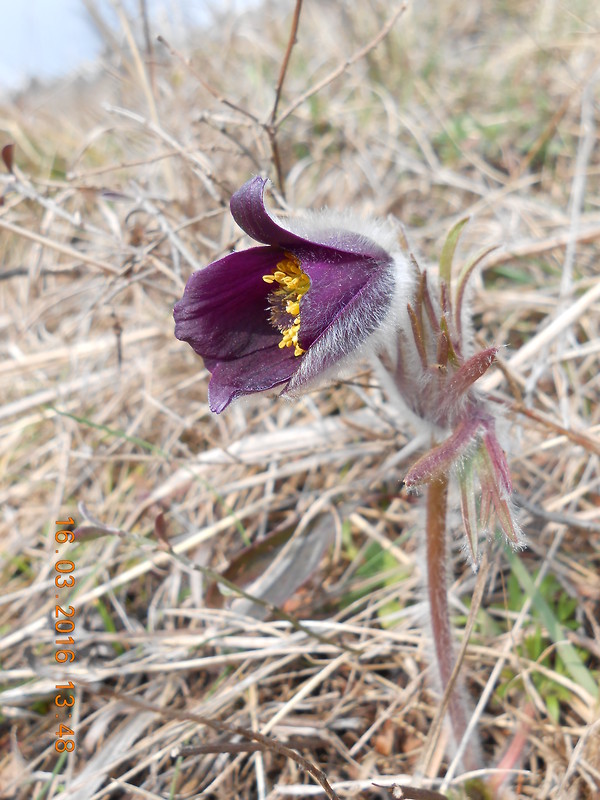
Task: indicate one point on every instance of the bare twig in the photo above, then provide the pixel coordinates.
(286, 59)
(222, 727)
(52, 244)
(539, 246)
(339, 71)
(270, 127)
(210, 89)
(561, 519)
(577, 437)
(555, 120)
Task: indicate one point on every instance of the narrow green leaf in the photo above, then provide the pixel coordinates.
(449, 249)
(463, 280)
(109, 625)
(577, 669)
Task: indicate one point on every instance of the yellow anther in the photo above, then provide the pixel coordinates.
(293, 283)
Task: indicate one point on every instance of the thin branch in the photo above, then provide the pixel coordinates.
(223, 747)
(138, 62)
(60, 248)
(222, 727)
(217, 578)
(244, 747)
(551, 516)
(221, 98)
(272, 134)
(338, 71)
(536, 247)
(286, 59)
(270, 128)
(577, 437)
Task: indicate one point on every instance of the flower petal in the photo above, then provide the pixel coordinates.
(249, 211)
(339, 315)
(336, 288)
(254, 372)
(222, 314)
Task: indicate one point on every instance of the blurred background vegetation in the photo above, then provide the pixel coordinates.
(116, 190)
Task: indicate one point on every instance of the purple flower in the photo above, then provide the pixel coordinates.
(287, 313)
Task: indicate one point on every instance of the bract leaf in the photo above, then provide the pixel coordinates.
(449, 249)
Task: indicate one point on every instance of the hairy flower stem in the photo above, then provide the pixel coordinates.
(437, 501)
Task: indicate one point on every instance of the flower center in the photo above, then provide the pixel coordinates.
(284, 301)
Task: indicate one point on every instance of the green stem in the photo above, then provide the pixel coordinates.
(437, 588)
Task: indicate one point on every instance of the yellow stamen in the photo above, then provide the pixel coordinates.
(285, 300)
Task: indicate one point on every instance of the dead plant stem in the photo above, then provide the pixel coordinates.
(271, 128)
(338, 71)
(265, 742)
(286, 59)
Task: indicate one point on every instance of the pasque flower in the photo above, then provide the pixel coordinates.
(294, 310)
(327, 288)
(324, 289)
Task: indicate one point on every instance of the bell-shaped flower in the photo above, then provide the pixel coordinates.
(297, 309)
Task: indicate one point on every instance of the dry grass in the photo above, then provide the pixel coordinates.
(120, 191)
